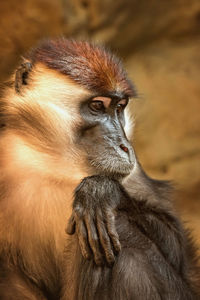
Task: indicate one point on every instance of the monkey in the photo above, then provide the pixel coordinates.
(79, 217)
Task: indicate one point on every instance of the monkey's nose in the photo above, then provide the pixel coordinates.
(124, 148)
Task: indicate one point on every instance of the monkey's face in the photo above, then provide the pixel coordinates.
(85, 131)
(102, 135)
(68, 104)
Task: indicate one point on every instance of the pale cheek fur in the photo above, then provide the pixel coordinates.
(55, 99)
(53, 95)
(21, 160)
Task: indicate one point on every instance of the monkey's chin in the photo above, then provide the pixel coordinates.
(114, 169)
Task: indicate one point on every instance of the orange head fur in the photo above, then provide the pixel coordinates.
(89, 65)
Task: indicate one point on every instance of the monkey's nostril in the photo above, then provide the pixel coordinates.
(124, 148)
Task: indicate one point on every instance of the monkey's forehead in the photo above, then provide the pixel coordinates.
(89, 65)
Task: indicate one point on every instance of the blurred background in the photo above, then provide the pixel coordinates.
(159, 43)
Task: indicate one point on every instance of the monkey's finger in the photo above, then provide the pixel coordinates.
(93, 240)
(71, 226)
(83, 239)
(111, 227)
(105, 240)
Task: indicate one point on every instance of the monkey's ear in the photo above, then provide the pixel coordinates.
(21, 75)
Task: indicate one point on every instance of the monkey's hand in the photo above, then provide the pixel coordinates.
(93, 218)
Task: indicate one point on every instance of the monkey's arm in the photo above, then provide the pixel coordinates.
(96, 202)
(93, 218)
(98, 198)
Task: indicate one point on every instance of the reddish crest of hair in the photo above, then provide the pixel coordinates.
(89, 65)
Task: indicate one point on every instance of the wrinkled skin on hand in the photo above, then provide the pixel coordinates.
(93, 218)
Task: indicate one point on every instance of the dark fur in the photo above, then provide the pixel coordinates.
(157, 260)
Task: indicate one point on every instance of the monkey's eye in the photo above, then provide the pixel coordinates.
(121, 105)
(97, 105)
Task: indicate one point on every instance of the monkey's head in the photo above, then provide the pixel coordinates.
(71, 97)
